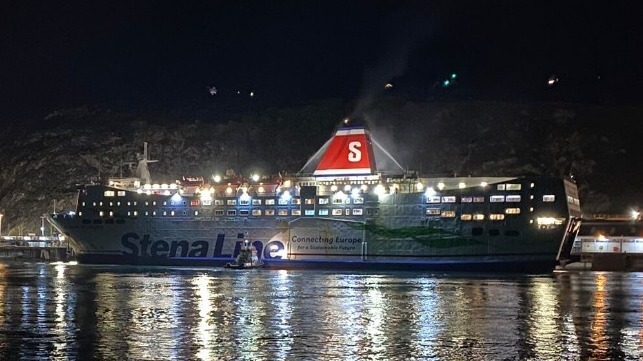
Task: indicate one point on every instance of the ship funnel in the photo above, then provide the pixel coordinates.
(350, 152)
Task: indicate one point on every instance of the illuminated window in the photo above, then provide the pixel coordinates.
(256, 202)
(433, 199)
(513, 198)
(136, 213)
(109, 193)
(465, 217)
(256, 212)
(100, 213)
(338, 201)
(432, 211)
(501, 187)
(323, 200)
(217, 202)
(94, 204)
(270, 202)
(309, 212)
(358, 211)
(549, 221)
(153, 213)
(194, 202)
(478, 217)
(296, 212)
(283, 212)
(337, 212)
(309, 201)
(270, 212)
(121, 193)
(134, 202)
(478, 199)
(549, 198)
(154, 203)
(129, 213)
(323, 212)
(347, 212)
(358, 200)
(164, 213)
(447, 214)
(496, 217)
(164, 203)
(496, 199)
(83, 204)
(231, 202)
(207, 202)
(467, 199)
(514, 187)
(449, 199)
(512, 210)
(172, 213)
(244, 202)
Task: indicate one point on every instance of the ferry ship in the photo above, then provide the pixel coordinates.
(343, 213)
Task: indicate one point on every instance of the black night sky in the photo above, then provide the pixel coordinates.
(57, 54)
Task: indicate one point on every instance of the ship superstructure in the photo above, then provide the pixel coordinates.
(345, 214)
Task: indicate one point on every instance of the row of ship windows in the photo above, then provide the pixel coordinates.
(470, 216)
(501, 187)
(243, 202)
(481, 199)
(347, 200)
(256, 212)
(321, 212)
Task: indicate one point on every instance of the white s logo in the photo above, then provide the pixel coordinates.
(355, 154)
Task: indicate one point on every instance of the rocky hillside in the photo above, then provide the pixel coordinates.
(42, 160)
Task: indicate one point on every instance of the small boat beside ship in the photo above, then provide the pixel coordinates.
(341, 211)
(246, 259)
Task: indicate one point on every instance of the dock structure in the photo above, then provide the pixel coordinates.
(34, 248)
(610, 244)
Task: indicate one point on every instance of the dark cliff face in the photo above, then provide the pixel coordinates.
(41, 161)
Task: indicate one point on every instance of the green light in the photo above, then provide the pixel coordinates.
(453, 76)
(446, 83)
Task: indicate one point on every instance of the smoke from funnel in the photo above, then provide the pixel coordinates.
(402, 31)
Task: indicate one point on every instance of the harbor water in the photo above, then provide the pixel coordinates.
(77, 312)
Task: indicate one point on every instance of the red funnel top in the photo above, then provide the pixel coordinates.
(349, 153)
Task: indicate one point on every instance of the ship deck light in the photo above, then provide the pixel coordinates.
(286, 196)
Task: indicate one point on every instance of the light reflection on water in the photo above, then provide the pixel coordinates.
(59, 311)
